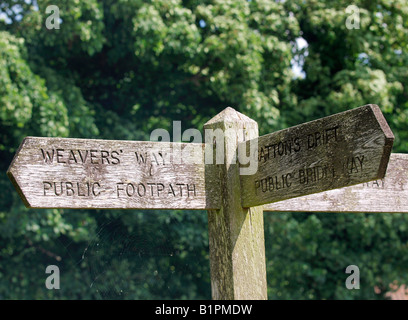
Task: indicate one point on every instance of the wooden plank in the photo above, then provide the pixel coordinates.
(384, 195)
(89, 173)
(236, 235)
(332, 152)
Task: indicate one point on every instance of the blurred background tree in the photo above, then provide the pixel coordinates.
(120, 69)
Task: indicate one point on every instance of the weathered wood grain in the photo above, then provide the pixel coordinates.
(332, 152)
(236, 235)
(89, 173)
(389, 194)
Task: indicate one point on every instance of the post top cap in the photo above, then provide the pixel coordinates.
(230, 115)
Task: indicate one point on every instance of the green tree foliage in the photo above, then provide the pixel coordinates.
(344, 68)
(119, 69)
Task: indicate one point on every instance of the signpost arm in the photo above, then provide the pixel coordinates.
(236, 234)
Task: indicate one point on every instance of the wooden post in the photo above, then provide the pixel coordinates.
(236, 234)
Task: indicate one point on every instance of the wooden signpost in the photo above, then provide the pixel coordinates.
(106, 174)
(342, 150)
(336, 151)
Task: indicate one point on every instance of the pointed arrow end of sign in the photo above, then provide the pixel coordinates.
(388, 137)
(12, 173)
